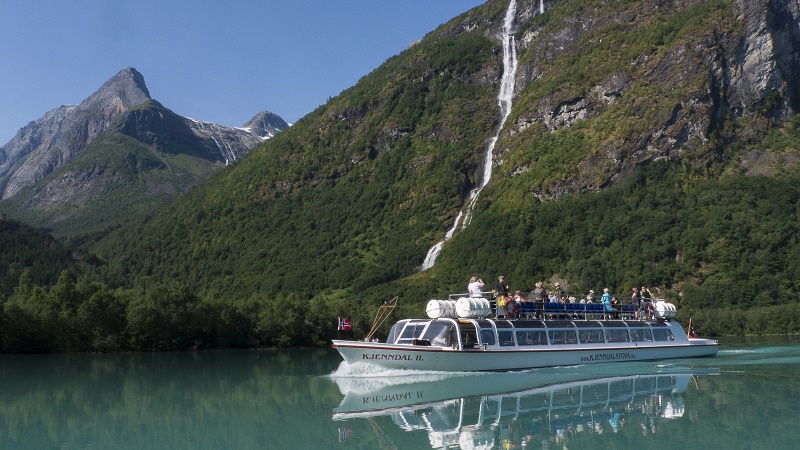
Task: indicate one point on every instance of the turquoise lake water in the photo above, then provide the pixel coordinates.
(748, 396)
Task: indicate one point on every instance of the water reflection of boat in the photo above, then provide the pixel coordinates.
(477, 410)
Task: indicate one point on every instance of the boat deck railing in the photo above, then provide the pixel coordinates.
(529, 308)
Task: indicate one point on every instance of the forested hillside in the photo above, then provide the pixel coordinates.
(143, 161)
(352, 196)
(651, 142)
(33, 256)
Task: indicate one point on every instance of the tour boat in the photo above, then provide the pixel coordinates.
(459, 335)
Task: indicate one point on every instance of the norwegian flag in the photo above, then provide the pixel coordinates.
(344, 324)
(692, 334)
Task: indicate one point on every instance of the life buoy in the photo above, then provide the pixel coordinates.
(511, 307)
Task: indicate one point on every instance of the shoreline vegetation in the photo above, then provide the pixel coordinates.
(87, 316)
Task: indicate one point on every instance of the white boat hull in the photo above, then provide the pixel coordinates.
(448, 359)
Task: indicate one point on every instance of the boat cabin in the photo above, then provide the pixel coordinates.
(497, 334)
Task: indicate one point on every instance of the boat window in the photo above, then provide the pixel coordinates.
(663, 335)
(531, 337)
(529, 324)
(469, 337)
(484, 323)
(563, 337)
(617, 335)
(641, 335)
(438, 333)
(413, 330)
(395, 332)
(506, 338)
(591, 336)
(587, 323)
(560, 324)
(487, 337)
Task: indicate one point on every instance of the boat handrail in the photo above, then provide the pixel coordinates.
(567, 306)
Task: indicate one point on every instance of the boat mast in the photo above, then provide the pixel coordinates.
(381, 316)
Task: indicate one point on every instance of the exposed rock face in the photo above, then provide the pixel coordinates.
(265, 124)
(49, 142)
(745, 65)
(168, 132)
(229, 143)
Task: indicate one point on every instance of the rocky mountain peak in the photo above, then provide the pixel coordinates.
(51, 141)
(124, 90)
(265, 124)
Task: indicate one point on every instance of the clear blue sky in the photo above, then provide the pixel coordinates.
(220, 61)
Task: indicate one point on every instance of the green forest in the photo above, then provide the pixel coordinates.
(725, 252)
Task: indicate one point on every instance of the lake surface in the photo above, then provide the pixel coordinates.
(746, 397)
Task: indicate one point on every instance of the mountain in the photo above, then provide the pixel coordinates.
(80, 170)
(647, 142)
(48, 143)
(266, 124)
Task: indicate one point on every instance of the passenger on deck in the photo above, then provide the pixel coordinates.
(647, 303)
(636, 301)
(539, 296)
(590, 297)
(475, 287)
(502, 287)
(500, 293)
(616, 305)
(559, 293)
(605, 299)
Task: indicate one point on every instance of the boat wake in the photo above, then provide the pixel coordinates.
(364, 378)
(368, 370)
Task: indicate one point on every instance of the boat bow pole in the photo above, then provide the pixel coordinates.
(383, 313)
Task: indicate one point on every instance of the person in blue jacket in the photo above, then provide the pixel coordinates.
(606, 300)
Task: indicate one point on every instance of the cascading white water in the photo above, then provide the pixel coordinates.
(222, 150)
(541, 6)
(504, 100)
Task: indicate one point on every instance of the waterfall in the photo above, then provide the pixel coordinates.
(541, 6)
(223, 151)
(504, 100)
